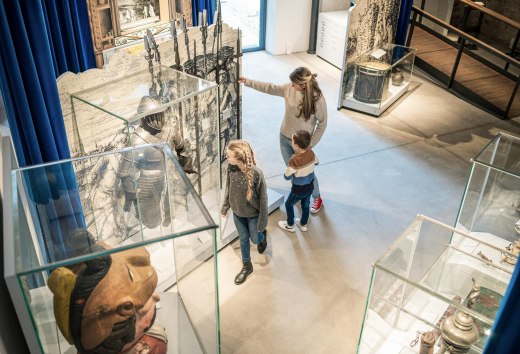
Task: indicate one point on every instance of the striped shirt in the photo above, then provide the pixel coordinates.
(300, 171)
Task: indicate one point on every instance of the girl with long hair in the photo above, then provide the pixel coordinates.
(246, 195)
(305, 109)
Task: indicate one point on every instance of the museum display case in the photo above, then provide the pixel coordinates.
(151, 106)
(431, 271)
(490, 208)
(378, 77)
(78, 284)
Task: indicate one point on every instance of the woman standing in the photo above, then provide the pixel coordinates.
(305, 109)
(246, 195)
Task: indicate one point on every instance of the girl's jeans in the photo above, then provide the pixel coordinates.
(287, 152)
(247, 228)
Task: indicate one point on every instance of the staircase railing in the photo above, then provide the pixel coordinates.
(465, 38)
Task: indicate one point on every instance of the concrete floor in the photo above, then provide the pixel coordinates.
(307, 293)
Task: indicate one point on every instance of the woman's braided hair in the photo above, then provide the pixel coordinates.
(243, 152)
(312, 93)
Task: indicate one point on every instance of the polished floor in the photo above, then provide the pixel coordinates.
(307, 292)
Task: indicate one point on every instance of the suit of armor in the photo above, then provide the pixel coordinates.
(143, 172)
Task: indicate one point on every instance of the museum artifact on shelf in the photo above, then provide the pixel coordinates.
(490, 207)
(431, 279)
(377, 78)
(75, 286)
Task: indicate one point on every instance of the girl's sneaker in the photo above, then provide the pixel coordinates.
(283, 225)
(302, 227)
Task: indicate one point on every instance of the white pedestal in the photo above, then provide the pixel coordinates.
(376, 109)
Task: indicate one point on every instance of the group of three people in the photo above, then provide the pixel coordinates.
(302, 127)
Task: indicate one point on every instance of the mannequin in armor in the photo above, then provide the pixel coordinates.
(143, 171)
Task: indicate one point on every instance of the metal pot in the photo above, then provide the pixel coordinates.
(458, 333)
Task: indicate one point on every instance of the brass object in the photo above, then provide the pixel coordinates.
(427, 343)
(483, 256)
(473, 294)
(458, 333)
(397, 78)
(514, 248)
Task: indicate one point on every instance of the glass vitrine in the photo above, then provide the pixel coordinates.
(79, 284)
(377, 78)
(155, 105)
(423, 278)
(490, 207)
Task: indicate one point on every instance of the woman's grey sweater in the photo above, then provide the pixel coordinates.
(291, 123)
(236, 191)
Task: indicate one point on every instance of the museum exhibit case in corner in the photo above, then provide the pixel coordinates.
(377, 78)
(490, 208)
(430, 283)
(82, 286)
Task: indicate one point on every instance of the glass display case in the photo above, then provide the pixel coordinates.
(490, 207)
(152, 106)
(80, 284)
(378, 77)
(427, 274)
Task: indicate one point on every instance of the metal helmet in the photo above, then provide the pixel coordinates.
(154, 121)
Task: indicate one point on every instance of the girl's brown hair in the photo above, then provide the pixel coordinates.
(312, 93)
(241, 151)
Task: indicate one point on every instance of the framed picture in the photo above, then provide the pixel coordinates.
(137, 13)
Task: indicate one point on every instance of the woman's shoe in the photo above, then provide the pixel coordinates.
(246, 270)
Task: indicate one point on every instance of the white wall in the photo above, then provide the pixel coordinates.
(287, 26)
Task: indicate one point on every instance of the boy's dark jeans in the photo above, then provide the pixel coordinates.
(305, 200)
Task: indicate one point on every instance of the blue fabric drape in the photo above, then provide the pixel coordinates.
(402, 22)
(199, 5)
(41, 39)
(506, 329)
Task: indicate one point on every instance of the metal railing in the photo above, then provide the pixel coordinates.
(465, 38)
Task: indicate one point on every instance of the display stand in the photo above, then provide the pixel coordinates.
(423, 278)
(491, 201)
(378, 78)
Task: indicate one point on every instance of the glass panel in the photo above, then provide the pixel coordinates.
(423, 278)
(376, 78)
(116, 244)
(106, 116)
(490, 209)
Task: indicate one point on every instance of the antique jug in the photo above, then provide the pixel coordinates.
(397, 78)
(458, 333)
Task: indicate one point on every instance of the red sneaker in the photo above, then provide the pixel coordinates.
(316, 205)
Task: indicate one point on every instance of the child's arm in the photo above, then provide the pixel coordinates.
(261, 190)
(225, 204)
(289, 173)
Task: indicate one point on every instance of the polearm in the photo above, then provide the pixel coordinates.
(204, 30)
(153, 89)
(217, 30)
(154, 45)
(186, 38)
(197, 126)
(149, 56)
(238, 55)
(177, 66)
(173, 33)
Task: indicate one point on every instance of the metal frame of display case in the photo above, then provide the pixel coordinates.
(490, 205)
(28, 223)
(415, 284)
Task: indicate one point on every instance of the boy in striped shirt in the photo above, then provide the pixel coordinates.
(300, 170)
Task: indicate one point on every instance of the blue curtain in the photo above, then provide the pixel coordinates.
(199, 5)
(41, 39)
(506, 329)
(402, 22)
